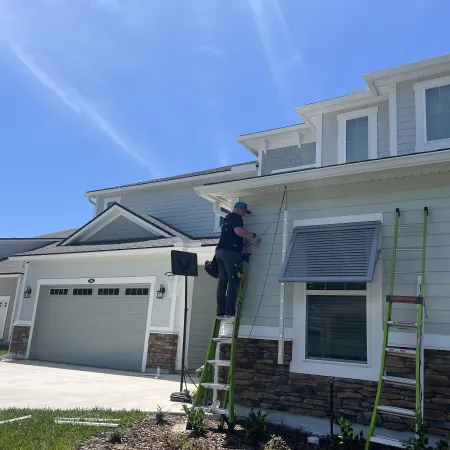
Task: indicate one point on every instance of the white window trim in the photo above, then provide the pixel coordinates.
(422, 145)
(393, 151)
(110, 199)
(217, 228)
(319, 139)
(372, 114)
(374, 317)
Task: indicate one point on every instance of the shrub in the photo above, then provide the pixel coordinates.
(256, 426)
(161, 416)
(173, 441)
(195, 419)
(444, 444)
(116, 436)
(347, 439)
(277, 443)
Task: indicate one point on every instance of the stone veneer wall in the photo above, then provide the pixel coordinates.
(19, 341)
(162, 351)
(261, 382)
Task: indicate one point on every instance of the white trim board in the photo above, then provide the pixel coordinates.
(372, 114)
(2, 325)
(151, 280)
(339, 219)
(393, 151)
(289, 169)
(107, 200)
(422, 143)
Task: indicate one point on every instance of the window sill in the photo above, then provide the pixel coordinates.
(433, 145)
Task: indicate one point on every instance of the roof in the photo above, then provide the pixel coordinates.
(176, 177)
(8, 267)
(58, 234)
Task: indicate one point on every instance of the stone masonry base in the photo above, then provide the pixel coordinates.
(19, 341)
(262, 383)
(162, 351)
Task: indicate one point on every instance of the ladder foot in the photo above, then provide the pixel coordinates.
(230, 428)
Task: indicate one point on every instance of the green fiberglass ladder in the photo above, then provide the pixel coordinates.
(417, 352)
(212, 396)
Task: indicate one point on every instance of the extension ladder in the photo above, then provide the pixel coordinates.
(416, 353)
(209, 379)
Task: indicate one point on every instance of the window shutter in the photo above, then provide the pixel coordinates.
(337, 252)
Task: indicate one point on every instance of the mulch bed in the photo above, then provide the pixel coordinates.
(146, 435)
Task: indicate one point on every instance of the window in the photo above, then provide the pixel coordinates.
(59, 291)
(108, 291)
(357, 135)
(136, 291)
(82, 291)
(432, 114)
(336, 324)
(219, 220)
(110, 201)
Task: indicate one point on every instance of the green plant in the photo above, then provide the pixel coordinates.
(221, 425)
(173, 441)
(347, 439)
(161, 416)
(277, 443)
(419, 441)
(444, 444)
(195, 419)
(256, 426)
(116, 436)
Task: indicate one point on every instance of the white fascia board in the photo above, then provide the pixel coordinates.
(10, 275)
(201, 178)
(343, 170)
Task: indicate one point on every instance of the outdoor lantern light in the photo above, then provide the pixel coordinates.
(27, 292)
(160, 292)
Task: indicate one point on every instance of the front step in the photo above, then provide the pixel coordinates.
(396, 323)
(393, 411)
(219, 362)
(401, 352)
(387, 441)
(408, 382)
(216, 386)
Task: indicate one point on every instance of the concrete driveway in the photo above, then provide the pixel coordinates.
(31, 384)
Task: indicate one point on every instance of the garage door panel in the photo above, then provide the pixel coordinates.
(95, 330)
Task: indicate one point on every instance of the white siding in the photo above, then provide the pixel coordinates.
(409, 194)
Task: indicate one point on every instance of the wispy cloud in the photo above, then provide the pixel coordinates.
(281, 51)
(82, 107)
(211, 50)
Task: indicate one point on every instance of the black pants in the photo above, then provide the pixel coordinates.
(228, 262)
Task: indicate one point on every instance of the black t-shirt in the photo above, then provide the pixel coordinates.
(229, 240)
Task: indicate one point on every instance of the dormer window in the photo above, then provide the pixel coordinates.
(357, 135)
(432, 114)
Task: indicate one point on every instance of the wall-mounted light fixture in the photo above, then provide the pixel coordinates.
(160, 291)
(27, 292)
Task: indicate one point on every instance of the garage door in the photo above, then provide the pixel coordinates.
(101, 326)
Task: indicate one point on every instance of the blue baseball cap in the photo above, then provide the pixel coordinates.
(243, 206)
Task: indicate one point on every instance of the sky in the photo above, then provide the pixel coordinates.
(98, 93)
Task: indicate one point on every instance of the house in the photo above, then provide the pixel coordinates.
(324, 200)
(104, 296)
(11, 276)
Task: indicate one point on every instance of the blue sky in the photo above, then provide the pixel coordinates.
(96, 93)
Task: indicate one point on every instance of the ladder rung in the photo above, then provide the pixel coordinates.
(409, 249)
(219, 362)
(411, 299)
(223, 340)
(211, 410)
(411, 225)
(216, 386)
(408, 273)
(400, 381)
(401, 352)
(225, 319)
(387, 441)
(396, 323)
(402, 412)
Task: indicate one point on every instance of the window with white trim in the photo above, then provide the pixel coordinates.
(59, 291)
(219, 220)
(432, 114)
(336, 321)
(357, 135)
(108, 202)
(108, 291)
(136, 291)
(82, 291)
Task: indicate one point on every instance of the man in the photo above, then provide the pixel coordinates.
(228, 257)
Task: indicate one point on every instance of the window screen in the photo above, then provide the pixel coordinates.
(357, 139)
(336, 328)
(437, 102)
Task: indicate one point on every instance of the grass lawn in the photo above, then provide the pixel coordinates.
(41, 432)
(3, 352)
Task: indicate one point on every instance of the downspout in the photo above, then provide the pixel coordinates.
(282, 293)
(91, 202)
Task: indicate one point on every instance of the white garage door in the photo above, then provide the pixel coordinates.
(101, 326)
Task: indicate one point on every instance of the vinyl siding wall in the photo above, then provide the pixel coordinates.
(408, 194)
(406, 114)
(177, 205)
(286, 157)
(8, 288)
(330, 133)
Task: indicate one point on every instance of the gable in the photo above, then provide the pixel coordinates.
(120, 230)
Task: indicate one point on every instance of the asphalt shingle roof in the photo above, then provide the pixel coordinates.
(177, 177)
(59, 234)
(8, 267)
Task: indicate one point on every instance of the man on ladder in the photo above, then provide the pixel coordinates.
(228, 257)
